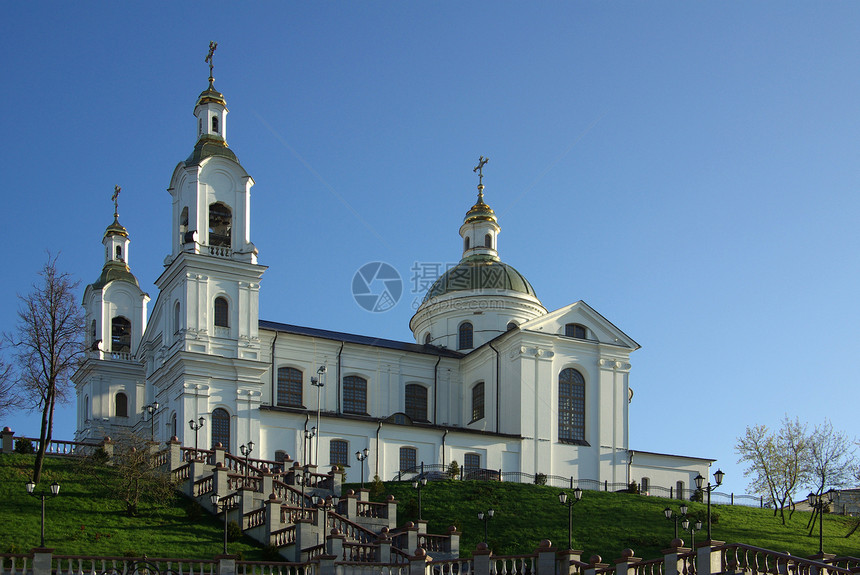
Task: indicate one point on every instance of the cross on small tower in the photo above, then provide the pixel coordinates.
(210, 57)
(115, 198)
(482, 161)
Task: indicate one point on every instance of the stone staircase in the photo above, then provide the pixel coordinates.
(302, 513)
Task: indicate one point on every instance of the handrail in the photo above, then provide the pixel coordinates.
(355, 531)
(758, 560)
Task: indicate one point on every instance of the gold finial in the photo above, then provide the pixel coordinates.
(482, 161)
(209, 59)
(115, 198)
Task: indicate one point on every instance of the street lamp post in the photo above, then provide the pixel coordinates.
(670, 515)
(817, 502)
(700, 481)
(485, 517)
(302, 479)
(223, 501)
(361, 456)
(419, 483)
(31, 490)
(319, 383)
(569, 503)
(329, 502)
(151, 409)
(309, 435)
(685, 525)
(195, 426)
(246, 450)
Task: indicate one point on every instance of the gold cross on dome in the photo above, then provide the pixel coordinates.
(115, 198)
(482, 161)
(210, 57)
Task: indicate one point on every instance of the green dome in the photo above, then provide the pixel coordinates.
(210, 146)
(480, 272)
(115, 271)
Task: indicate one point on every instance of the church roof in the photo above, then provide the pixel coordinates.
(359, 339)
(208, 146)
(115, 270)
(480, 272)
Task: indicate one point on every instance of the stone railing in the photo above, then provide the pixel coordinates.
(755, 560)
(55, 446)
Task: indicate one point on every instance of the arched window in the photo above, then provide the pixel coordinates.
(408, 458)
(199, 126)
(354, 394)
(183, 223)
(574, 330)
(86, 408)
(119, 253)
(571, 407)
(488, 241)
(511, 325)
(471, 461)
(679, 490)
(120, 405)
(120, 335)
(221, 428)
(416, 402)
(222, 312)
(478, 401)
(465, 336)
(466, 243)
(338, 452)
(220, 225)
(176, 323)
(427, 339)
(644, 486)
(173, 430)
(215, 124)
(93, 328)
(289, 387)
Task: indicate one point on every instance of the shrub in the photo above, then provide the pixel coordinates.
(698, 495)
(270, 553)
(454, 470)
(25, 446)
(234, 532)
(377, 488)
(100, 456)
(540, 479)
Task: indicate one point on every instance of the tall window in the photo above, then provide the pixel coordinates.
(119, 253)
(289, 387)
(86, 408)
(221, 428)
(120, 335)
(472, 461)
(338, 452)
(176, 324)
(574, 330)
(571, 407)
(427, 339)
(408, 458)
(354, 394)
(93, 329)
(215, 124)
(478, 401)
(222, 312)
(416, 402)
(120, 405)
(183, 223)
(645, 486)
(465, 339)
(679, 490)
(220, 225)
(173, 429)
(466, 244)
(488, 241)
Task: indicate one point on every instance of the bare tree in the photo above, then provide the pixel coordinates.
(777, 463)
(48, 345)
(831, 459)
(139, 481)
(9, 399)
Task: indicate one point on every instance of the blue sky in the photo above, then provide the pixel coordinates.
(687, 169)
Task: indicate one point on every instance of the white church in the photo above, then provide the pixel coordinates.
(493, 381)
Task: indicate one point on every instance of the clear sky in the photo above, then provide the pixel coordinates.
(689, 169)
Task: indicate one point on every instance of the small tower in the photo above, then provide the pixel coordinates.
(479, 298)
(109, 385)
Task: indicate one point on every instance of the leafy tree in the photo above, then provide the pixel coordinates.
(48, 344)
(778, 463)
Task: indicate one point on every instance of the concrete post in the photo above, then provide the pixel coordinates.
(546, 559)
(418, 563)
(481, 559)
(219, 480)
(453, 541)
(627, 560)
(175, 458)
(306, 536)
(327, 565)
(7, 437)
(41, 561)
(411, 536)
(226, 564)
(383, 547)
(336, 480)
(248, 503)
(218, 454)
(709, 561)
(565, 556)
(273, 515)
(107, 445)
(268, 482)
(351, 505)
(392, 512)
(594, 564)
(334, 544)
(421, 524)
(671, 564)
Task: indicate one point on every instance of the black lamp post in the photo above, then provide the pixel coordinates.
(685, 525)
(151, 409)
(195, 426)
(31, 490)
(361, 456)
(485, 517)
(302, 479)
(329, 502)
(817, 502)
(700, 481)
(569, 503)
(223, 501)
(670, 515)
(419, 483)
(246, 453)
(319, 383)
(309, 435)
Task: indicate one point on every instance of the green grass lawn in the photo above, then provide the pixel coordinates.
(84, 519)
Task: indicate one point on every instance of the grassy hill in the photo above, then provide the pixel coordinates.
(86, 519)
